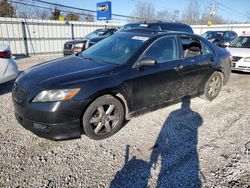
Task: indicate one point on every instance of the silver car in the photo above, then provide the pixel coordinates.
(8, 66)
(240, 50)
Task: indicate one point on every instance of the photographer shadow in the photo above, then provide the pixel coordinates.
(174, 154)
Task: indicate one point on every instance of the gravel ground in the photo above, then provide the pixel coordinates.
(184, 145)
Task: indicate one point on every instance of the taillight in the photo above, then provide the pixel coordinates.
(6, 54)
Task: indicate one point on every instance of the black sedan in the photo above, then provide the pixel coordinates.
(220, 38)
(122, 76)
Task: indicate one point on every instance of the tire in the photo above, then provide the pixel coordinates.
(213, 86)
(103, 118)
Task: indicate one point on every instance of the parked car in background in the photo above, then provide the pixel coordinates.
(8, 66)
(124, 75)
(240, 51)
(76, 46)
(220, 38)
(158, 26)
(153, 26)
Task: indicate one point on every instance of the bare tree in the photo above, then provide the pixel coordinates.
(71, 16)
(56, 13)
(164, 15)
(248, 15)
(89, 18)
(32, 12)
(144, 11)
(192, 13)
(6, 9)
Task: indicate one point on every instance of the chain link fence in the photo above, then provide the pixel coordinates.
(28, 37)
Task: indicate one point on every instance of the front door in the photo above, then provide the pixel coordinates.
(155, 85)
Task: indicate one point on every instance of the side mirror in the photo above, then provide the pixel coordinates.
(145, 62)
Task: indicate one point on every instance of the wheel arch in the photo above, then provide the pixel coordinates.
(116, 94)
(222, 73)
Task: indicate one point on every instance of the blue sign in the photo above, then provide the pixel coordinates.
(104, 10)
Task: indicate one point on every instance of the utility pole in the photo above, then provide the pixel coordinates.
(212, 12)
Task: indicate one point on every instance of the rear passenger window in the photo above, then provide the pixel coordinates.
(163, 50)
(191, 47)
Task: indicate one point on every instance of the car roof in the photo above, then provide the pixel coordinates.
(152, 33)
(159, 22)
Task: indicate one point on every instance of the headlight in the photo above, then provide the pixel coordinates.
(56, 95)
(247, 59)
(79, 45)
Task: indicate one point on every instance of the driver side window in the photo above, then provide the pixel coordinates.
(163, 50)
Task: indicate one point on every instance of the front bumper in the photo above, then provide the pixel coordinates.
(239, 67)
(55, 120)
(61, 131)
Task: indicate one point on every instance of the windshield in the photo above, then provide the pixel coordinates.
(96, 33)
(241, 42)
(212, 35)
(116, 49)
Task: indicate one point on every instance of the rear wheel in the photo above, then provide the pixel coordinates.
(103, 117)
(213, 86)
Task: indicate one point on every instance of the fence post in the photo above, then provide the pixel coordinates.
(25, 41)
(72, 31)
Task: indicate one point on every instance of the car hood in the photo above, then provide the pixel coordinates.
(241, 52)
(64, 72)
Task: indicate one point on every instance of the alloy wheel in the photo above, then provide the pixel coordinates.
(104, 119)
(214, 86)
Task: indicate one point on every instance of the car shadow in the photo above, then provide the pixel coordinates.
(7, 86)
(174, 154)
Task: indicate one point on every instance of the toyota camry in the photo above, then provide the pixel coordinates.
(122, 76)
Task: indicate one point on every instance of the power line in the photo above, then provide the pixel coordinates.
(66, 11)
(232, 10)
(87, 10)
(229, 12)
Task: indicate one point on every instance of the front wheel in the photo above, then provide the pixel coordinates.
(213, 86)
(103, 117)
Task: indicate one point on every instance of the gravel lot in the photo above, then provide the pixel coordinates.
(205, 144)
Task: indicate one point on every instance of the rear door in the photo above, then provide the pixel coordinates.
(197, 64)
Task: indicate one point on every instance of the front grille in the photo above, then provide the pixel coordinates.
(236, 58)
(19, 94)
(244, 67)
(68, 46)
